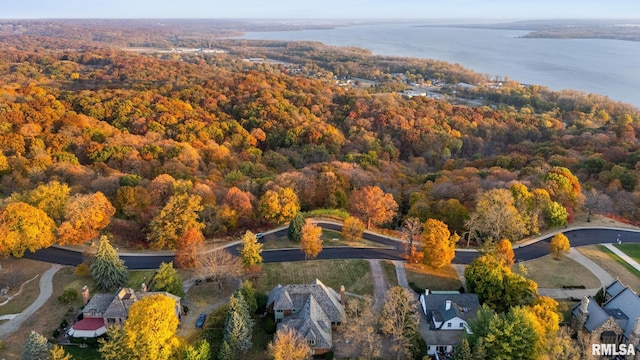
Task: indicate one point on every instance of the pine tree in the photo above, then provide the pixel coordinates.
(250, 250)
(295, 228)
(225, 352)
(249, 294)
(167, 279)
(463, 351)
(36, 347)
(107, 269)
(239, 325)
(479, 351)
(199, 351)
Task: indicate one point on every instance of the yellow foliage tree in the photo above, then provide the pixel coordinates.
(439, 245)
(148, 334)
(559, 244)
(85, 216)
(288, 344)
(372, 205)
(311, 242)
(280, 206)
(24, 227)
(352, 229)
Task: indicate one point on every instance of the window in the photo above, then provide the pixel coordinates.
(448, 324)
(461, 325)
(111, 320)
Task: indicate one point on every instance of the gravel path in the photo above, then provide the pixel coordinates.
(46, 289)
(379, 284)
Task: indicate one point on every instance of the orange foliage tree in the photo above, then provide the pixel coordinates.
(439, 244)
(85, 216)
(311, 242)
(187, 249)
(24, 227)
(372, 205)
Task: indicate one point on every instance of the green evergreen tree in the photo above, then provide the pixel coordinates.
(107, 269)
(250, 250)
(463, 351)
(225, 352)
(600, 297)
(238, 325)
(249, 294)
(167, 279)
(36, 348)
(479, 351)
(295, 228)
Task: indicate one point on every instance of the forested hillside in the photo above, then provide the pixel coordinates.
(100, 139)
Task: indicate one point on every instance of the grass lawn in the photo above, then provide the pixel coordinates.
(78, 353)
(328, 237)
(433, 279)
(551, 273)
(389, 271)
(137, 277)
(618, 269)
(632, 250)
(260, 340)
(51, 314)
(14, 273)
(355, 275)
(621, 261)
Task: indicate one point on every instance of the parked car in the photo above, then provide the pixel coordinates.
(259, 236)
(201, 319)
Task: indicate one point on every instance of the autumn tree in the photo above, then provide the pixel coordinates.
(311, 242)
(361, 328)
(107, 269)
(439, 244)
(37, 347)
(372, 205)
(279, 207)
(250, 250)
(497, 217)
(131, 202)
(218, 266)
(596, 202)
(555, 214)
(200, 351)
(179, 215)
(24, 227)
(148, 333)
(399, 320)
(504, 251)
(189, 244)
(559, 245)
(352, 229)
(167, 279)
(240, 202)
(85, 216)
(288, 344)
(50, 198)
(412, 231)
(57, 353)
(294, 232)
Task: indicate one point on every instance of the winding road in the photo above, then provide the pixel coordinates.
(392, 251)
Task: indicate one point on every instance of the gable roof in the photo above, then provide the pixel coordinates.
(312, 323)
(628, 303)
(614, 289)
(597, 315)
(464, 306)
(118, 305)
(295, 296)
(98, 303)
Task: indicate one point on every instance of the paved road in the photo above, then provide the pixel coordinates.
(46, 289)
(577, 237)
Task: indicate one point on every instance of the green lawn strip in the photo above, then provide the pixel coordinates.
(632, 250)
(329, 238)
(621, 261)
(551, 273)
(137, 277)
(355, 275)
(78, 353)
(389, 271)
(433, 279)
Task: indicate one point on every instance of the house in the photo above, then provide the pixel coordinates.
(311, 309)
(104, 310)
(617, 321)
(448, 314)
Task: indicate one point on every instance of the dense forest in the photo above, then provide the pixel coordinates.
(96, 137)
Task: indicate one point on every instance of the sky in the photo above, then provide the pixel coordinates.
(321, 9)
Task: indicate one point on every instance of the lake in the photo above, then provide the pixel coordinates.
(605, 67)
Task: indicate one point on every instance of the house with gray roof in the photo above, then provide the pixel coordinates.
(448, 314)
(113, 309)
(313, 310)
(616, 321)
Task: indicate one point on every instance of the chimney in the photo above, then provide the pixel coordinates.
(426, 292)
(447, 305)
(85, 294)
(343, 298)
(143, 288)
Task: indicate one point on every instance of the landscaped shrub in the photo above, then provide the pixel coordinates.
(185, 309)
(68, 296)
(416, 288)
(269, 325)
(329, 355)
(261, 300)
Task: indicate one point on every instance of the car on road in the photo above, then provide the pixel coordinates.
(259, 236)
(201, 319)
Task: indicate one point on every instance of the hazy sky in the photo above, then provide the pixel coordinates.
(497, 9)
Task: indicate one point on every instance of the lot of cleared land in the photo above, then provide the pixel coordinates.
(612, 264)
(329, 238)
(433, 279)
(355, 275)
(551, 273)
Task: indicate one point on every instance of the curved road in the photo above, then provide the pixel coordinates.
(577, 237)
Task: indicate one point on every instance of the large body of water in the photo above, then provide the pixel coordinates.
(604, 67)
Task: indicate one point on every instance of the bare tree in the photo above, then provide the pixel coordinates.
(361, 328)
(400, 320)
(597, 202)
(218, 266)
(412, 230)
